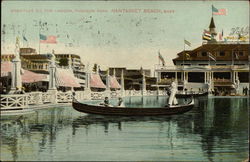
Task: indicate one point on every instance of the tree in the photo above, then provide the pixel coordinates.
(95, 68)
(63, 62)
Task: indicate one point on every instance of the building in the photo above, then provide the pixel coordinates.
(217, 66)
(39, 63)
(133, 77)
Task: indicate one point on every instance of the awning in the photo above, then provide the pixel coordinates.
(26, 75)
(66, 78)
(31, 77)
(114, 83)
(6, 68)
(96, 81)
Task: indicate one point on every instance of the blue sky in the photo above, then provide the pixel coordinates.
(117, 39)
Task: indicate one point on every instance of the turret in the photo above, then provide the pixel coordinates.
(212, 28)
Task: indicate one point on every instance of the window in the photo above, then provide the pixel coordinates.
(241, 53)
(204, 54)
(222, 53)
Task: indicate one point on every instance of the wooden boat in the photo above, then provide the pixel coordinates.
(183, 95)
(128, 111)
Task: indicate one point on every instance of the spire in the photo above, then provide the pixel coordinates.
(212, 23)
(212, 29)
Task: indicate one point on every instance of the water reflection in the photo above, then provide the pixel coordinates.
(216, 129)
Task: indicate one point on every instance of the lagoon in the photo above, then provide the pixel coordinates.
(216, 129)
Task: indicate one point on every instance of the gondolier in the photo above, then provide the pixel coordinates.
(173, 89)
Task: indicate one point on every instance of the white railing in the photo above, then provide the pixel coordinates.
(80, 95)
(35, 98)
(14, 101)
(46, 97)
(97, 95)
(64, 97)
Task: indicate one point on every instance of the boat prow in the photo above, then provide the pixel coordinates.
(128, 111)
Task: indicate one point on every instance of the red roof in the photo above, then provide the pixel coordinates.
(114, 83)
(66, 78)
(96, 81)
(30, 77)
(6, 67)
(27, 76)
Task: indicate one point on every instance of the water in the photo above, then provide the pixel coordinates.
(215, 130)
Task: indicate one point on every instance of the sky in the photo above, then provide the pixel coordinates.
(121, 34)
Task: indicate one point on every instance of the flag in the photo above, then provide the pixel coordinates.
(187, 42)
(47, 39)
(216, 11)
(25, 39)
(187, 56)
(236, 55)
(42, 37)
(161, 58)
(211, 56)
(206, 35)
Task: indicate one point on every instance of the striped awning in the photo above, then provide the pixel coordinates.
(66, 78)
(6, 68)
(96, 81)
(114, 83)
(26, 75)
(31, 77)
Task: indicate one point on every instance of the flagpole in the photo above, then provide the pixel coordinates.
(39, 35)
(183, 54)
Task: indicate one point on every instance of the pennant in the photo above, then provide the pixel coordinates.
(25, 39)
(206, 35)
(236, 55)
(187, 42)
(161, 58)
(211, 56)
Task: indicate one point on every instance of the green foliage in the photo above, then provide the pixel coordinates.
(95, 68)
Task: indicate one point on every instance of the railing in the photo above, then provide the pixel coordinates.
(35, 98)
(46, 97)
(115, 94)
(97, 95)
(64, 97)
(14, 101)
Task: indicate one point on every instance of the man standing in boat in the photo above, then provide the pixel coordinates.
(173, 89)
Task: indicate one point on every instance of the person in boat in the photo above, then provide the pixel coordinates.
(106, 102)
(120, 102)
(173, 89)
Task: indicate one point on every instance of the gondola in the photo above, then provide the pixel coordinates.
(128, 111)
(183, 95)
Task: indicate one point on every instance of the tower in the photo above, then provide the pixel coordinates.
(212, 29)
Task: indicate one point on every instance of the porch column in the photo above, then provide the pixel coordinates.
(176, 79)
(16, 83)
(114, 72)
(143, 83)
(205, 77)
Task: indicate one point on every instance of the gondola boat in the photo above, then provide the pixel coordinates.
(183, 95)
(128, 111)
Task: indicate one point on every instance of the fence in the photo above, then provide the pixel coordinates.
(14, 101)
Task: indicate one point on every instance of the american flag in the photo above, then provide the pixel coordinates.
(216, 11)
(49, 39)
